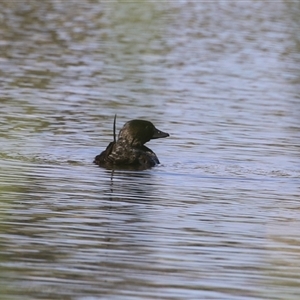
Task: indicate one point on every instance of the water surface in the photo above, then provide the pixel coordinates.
(219, 218)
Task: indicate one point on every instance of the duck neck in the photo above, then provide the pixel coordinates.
(129, 142)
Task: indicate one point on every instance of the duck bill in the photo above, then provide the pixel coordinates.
(159, 134)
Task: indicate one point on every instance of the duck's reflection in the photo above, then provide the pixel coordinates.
(130, 185)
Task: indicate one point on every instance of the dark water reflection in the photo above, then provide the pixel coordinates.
(218, 219)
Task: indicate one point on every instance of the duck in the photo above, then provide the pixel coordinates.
(129, 150)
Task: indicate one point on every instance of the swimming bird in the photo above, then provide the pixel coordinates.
(129, 151)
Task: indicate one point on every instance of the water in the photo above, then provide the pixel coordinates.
(218, 219)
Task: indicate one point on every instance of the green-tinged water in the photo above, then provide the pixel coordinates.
(219, 218)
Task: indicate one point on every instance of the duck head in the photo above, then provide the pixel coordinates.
(139, 132)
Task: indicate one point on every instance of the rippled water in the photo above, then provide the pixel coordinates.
(219, 218)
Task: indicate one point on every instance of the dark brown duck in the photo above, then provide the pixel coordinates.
(129, 150)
